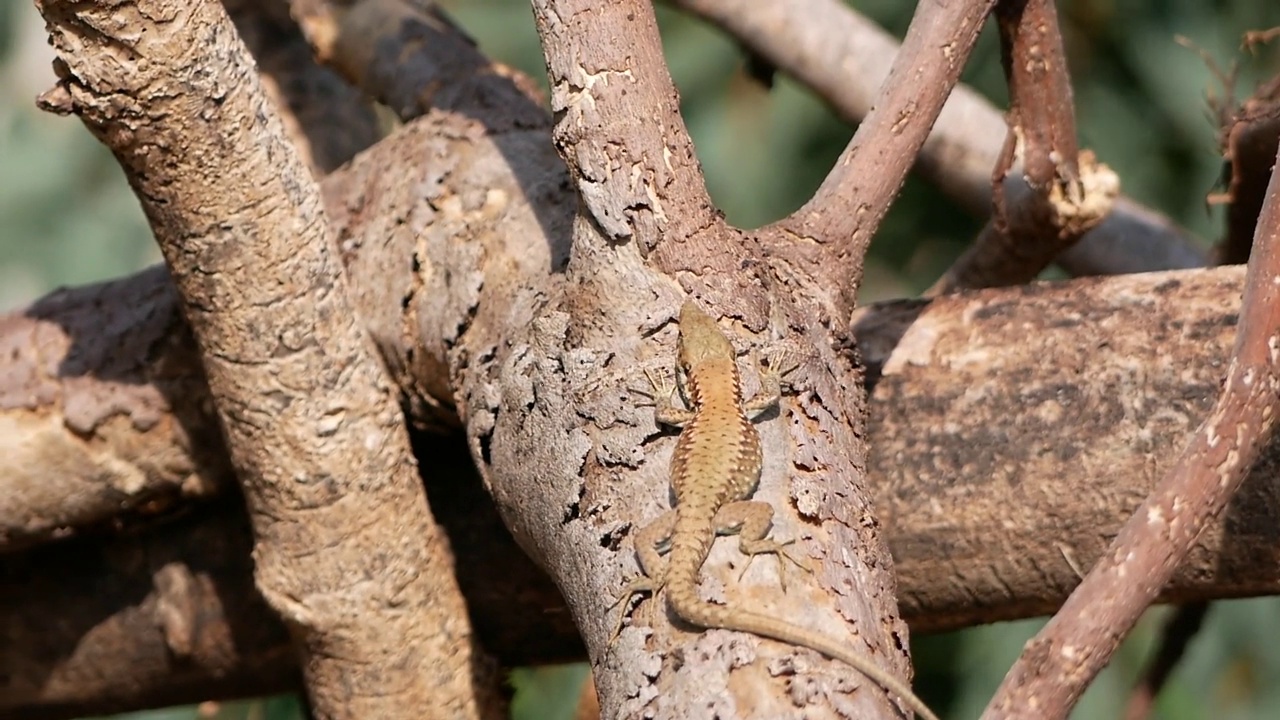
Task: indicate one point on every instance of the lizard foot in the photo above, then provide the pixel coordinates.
(752, 548)
(778, 361)
(638, 586)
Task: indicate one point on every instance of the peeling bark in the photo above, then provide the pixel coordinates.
(994, 500)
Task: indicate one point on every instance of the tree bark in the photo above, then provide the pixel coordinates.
(999, 477)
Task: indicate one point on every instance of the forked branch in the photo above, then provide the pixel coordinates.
(848, 207)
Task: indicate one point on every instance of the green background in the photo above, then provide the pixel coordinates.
(67, 217)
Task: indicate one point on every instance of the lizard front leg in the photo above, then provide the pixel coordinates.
(779, 364)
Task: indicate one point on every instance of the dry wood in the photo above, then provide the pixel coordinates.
(129, 450)
(642, 196)
(967, 549)
(1059, 663)
(1067, 193)
(1249, 142)
(327, 120)
(848, 207)
(345, 547)
(463, 289)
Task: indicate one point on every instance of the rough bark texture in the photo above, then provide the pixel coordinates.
(106, 417)
(853, 199)
(1150, 352)
(992, 455)
(211, 636)
(345, 547)
(1067, 192)
(567, 410)
(455, 234)
(1060, 662)
(327, 120)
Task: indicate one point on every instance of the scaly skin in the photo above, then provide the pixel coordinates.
(714, 472)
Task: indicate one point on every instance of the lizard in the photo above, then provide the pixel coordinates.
(714, 472)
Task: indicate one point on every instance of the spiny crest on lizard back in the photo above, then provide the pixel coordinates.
(701, 338)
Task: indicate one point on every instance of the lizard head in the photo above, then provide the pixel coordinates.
(701, 339)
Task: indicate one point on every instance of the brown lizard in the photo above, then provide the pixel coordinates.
(714, 472)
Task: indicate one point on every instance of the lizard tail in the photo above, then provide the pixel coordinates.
(694, 610)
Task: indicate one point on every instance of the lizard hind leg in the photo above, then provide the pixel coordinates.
(650, 542)
(752, 520)
(642, 584)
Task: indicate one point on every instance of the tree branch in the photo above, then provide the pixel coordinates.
(844, 58)
(643, 183)
(1249, 143)
(847, 208)
(327, 120)
(1178, 632)
(643, 199)
(173, 607)
(982, 524)
(313, 430)
(1065, 656)
(1070, 192)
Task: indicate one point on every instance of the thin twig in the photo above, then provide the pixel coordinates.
(1176, 635)
(1250, 142)
(1078, 642)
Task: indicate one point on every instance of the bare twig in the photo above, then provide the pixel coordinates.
(845, 57)
(1250, 138)
(1177, 634)
(314, 431)
(1063, 658)
(1033, 229)
(1069, 193)
(847, 208)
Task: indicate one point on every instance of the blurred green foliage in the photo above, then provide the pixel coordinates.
(67, 217)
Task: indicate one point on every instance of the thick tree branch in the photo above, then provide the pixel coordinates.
(413, 58)
(327, 120)
(313, 430)
(458, 257)
(155, 419)
(607, 73)
(643, 198)
(983, 523)
(844, 58)
(172, 605)
(1063, 658)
